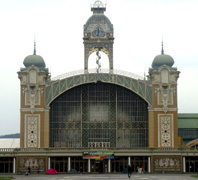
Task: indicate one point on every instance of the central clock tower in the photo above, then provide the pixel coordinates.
(98, 35)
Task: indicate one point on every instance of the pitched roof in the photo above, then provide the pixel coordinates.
(187, 120)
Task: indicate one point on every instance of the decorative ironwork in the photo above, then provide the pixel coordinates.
(93, 71)
(99, 115)
(56, 88)
(98, 61)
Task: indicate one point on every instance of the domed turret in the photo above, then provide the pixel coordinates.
(162, 59)
(35, 60)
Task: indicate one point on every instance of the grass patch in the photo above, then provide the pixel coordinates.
(6, 178)
(196, 176)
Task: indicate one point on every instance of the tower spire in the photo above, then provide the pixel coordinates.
(34, 45)
(34, 48)
(162, 48)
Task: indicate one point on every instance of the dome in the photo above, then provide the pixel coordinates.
(98, 18)
(35, 60)
(162, 59)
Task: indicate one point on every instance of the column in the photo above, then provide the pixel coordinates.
(109, 165)
(69, 164)
(89, 165)
(129, 160)
(14, 165)
(149, 164)
(48, 165)
(184, 164)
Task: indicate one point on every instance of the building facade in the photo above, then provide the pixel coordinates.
(100, 121)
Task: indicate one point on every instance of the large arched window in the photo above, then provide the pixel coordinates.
(99, 115)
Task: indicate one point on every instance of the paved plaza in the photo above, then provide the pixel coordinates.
(106, 177)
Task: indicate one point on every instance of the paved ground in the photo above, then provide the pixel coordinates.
(106, 177)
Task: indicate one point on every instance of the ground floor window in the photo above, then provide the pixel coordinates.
(192, 164)
(6, 165)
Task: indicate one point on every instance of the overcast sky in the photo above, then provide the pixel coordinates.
(58, 24)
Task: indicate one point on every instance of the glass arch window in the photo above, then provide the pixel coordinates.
(99, 115)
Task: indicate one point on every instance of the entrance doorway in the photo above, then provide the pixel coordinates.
(119, 164)
(79, 164)
(99, 166)
(59, 164)
(138, 162)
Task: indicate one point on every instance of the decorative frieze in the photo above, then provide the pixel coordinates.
(33, 162)
(167, 163)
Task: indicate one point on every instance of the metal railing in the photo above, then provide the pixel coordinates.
(94, 71)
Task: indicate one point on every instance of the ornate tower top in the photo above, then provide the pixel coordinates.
(98, 7)
(98, 34)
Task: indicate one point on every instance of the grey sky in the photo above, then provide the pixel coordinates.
(58, 25)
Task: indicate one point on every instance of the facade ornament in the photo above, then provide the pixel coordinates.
(24, 90)
(32, 92)
(32, 101)
(165, 93)
(165, 100)
(157, 90)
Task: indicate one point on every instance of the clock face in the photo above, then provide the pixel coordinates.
(99, 32)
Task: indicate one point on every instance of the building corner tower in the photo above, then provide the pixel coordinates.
(163, 130)
(34, 117)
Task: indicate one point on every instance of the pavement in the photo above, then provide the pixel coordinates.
(104, 177)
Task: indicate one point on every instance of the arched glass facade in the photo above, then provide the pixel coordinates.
(99, 115)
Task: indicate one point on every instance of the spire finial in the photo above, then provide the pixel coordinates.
(34, 45)
(162, 48)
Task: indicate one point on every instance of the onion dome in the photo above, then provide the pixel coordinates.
(35, 60)
(162, 59)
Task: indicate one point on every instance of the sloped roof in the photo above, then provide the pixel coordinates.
(188, 120)
(10, 143)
